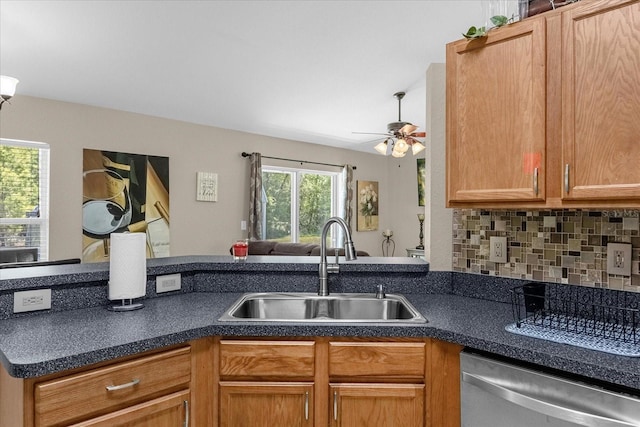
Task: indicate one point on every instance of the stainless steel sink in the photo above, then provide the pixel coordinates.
(307, 307)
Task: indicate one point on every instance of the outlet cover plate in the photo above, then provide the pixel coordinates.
(619, 259)
(169, 282)
(498, 249)
(38, 299)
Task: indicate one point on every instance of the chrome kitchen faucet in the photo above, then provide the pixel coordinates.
(349, 254)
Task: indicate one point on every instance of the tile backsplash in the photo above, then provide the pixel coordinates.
(561, 246)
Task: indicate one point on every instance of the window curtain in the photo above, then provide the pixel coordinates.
(347, 176)
(255, 197)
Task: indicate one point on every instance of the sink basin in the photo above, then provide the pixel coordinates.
(308, 307)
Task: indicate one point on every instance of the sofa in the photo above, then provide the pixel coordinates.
(270, 247)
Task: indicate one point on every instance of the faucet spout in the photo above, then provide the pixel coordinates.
(349, 253)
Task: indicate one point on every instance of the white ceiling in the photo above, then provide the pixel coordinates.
(312, 71)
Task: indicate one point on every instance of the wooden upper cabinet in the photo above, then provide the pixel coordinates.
(496, 107)
(601, 101)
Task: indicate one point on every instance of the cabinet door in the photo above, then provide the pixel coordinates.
(377, 405)
(496, 106)
(601, 100)
(266, 404)
(167, 411)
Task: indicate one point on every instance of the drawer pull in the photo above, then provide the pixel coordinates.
(133, 382)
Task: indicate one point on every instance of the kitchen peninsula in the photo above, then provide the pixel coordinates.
(179, 334)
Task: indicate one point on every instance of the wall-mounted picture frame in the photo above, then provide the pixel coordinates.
(368, 202)
(422, 178)
(124, 192)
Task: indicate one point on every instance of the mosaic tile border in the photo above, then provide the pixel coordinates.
(558, 246)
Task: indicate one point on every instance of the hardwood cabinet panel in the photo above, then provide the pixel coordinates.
(254, 358)
(377, 405)
(601, 100)
(377, 359)
(266, 404)
(166, 411)
(76, 397)
(496, 106)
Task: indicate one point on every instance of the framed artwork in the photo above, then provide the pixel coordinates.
(124, 192)
(367, 206)
(422, 177)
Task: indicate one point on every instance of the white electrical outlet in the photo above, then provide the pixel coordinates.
(498, 249)
(39, 299)
(243, 225)
(619, 259)
(169, 282)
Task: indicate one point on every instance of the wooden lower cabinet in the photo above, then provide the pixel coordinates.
(166, 411)
(346, 382)
(155, 389)
(266, 404)
(377, 405)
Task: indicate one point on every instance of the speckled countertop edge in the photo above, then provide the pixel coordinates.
(38, 345)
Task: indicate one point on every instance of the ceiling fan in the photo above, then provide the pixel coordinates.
(400, 135)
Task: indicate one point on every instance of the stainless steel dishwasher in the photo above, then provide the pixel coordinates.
(498, 394)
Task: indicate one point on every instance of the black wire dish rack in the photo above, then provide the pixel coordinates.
(594, 318)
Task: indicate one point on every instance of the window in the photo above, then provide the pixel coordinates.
(297, 204)
(24, 201)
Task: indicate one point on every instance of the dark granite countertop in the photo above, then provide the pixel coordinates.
(36, 345)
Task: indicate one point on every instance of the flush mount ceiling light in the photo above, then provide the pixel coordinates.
(7, 88)
(400, 135)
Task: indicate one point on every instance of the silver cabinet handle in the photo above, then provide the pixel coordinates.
(566, 178)
(185, 404)
(306, 405)
(335, 406)
(133, 382)
(535, 181)
(540, 406)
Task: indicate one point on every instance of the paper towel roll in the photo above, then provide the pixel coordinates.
(127, 266)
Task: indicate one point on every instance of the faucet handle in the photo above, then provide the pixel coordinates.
(380, 292)
(337, 255)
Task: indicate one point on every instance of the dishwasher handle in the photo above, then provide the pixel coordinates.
(538, 405)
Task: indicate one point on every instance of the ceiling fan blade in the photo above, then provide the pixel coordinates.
(419, 134)
(370, 133)
(408, 129)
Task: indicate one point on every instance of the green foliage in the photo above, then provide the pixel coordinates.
(497, 21)
(19, 181)
(277, 187)
(314, 205)
(474, 33)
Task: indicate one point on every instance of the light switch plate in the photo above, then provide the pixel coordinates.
(619, 259)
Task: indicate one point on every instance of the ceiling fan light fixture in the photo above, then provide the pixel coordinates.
(417, 147)
(7, 88)
(382, 147)
(401, 145)
(397, 154)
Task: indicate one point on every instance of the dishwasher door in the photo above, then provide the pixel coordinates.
(497, 394)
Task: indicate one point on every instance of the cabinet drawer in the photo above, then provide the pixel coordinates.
(287, 359)
(377, 359)
(83, 395)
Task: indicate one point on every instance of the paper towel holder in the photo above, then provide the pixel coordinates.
(126, 305)
(127, 271)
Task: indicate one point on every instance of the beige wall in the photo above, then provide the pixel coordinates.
(197, 228)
